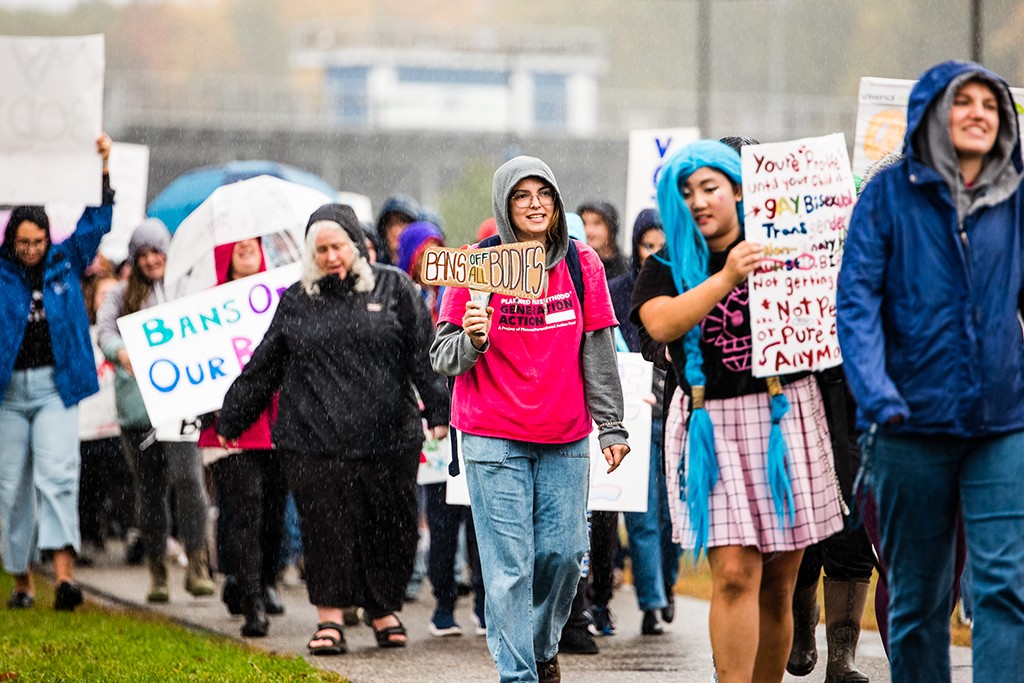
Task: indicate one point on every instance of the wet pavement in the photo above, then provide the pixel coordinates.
(682, 655)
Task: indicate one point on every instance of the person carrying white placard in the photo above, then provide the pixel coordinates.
(46, 369)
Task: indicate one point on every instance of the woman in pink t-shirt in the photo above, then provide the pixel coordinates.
(531, 378)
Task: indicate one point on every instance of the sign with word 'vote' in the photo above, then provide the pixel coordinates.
(511, 269)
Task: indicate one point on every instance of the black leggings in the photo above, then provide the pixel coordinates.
(252, 487)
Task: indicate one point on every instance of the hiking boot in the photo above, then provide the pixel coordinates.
(650, 625)
(577, 641)
(158, 590)
(197, 574)
(549, 671)
(256, 623)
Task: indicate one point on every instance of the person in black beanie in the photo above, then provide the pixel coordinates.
(347, 348)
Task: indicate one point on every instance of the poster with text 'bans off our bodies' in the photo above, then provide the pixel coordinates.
(797, 198)
(882, 118)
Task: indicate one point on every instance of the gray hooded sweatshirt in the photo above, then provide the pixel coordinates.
(452, 352)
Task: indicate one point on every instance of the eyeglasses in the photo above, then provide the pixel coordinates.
(30, 245)
(524, 199)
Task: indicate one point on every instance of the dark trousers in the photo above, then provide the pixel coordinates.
(846, 556)
(444, 521)
(604, 544)
(358, 519)
(158, 469)
(253, 488)
(106, 499)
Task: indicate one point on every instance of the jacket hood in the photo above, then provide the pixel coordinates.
(646, 220)
(399, 203)
(610, 216)
(927, 140)
(416, 237)
(506, 178)
(222, 260)
(151, 234)
(575, 226)
(345, 216)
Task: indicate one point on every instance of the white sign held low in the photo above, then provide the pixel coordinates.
(187, 352)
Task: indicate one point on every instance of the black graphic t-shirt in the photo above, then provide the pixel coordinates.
(725, 333)
(36, 350)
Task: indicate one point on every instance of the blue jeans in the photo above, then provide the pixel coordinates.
(291, 541)
(920, 483)
(39, 457)
(655, 557)
(529, 506)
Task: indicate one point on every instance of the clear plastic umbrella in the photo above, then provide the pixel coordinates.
(264, 206)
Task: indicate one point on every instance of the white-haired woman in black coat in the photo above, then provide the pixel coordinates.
(347, 349)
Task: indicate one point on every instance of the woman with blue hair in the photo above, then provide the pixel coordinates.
(747, 463)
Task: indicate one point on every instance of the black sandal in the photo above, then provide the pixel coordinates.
(385, 634)
(337, 646)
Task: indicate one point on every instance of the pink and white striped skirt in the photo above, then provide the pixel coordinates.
(741, 508)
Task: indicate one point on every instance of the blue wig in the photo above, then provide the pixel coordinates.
(688, 262)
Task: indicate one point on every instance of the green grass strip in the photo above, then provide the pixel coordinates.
(94, 643)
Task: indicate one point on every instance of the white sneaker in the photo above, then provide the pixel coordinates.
(445, 626)
(479, 628)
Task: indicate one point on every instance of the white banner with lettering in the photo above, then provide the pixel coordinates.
(187, 352)
(51, 112)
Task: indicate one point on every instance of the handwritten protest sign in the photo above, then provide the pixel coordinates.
(649, 148)
(50, 117)
(187, 352)
(512, 269)
(797, 199)
(625, 489)
(882, 118)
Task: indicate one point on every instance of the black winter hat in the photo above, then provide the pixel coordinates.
(345, 216)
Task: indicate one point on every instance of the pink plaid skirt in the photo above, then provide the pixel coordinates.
(741, 508)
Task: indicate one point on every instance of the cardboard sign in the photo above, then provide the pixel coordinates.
(797, 197)
(882, 118)
(187, 352)
(649, 148)
(50, 117)
(511, 269)
(625, 489)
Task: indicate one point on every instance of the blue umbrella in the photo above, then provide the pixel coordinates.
(188, 191)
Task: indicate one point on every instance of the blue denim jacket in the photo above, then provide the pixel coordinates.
(75, 368)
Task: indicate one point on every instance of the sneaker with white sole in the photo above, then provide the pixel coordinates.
(480, 623)
(443, 624)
